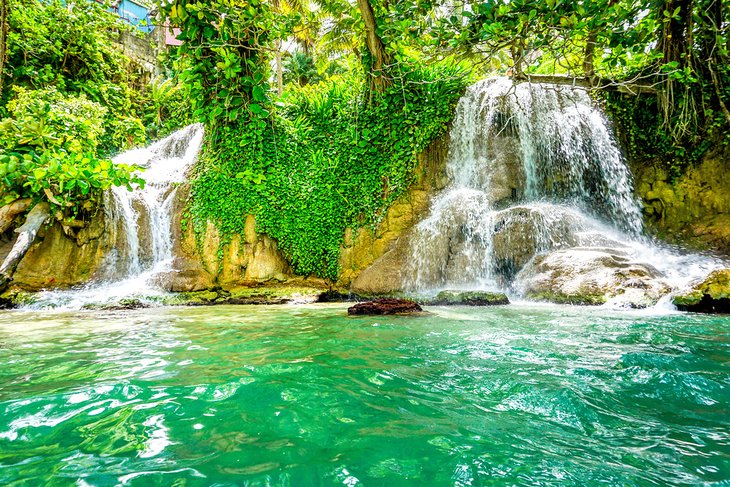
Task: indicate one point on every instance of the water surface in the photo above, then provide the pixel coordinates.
(285, 395)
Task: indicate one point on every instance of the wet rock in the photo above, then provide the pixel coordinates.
(710, 296)
(384, 276)
(187, 275)
(122, 305)
(334, 297)
(469, 298)
(522, 232)
(385, 306)
(589, 276)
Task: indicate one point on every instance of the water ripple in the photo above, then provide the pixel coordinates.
(307, 396)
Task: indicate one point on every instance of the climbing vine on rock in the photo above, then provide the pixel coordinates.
(327, 160)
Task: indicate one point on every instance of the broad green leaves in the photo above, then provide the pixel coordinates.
(224, 59)
(47, 152)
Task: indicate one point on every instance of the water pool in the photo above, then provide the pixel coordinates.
(304, 395)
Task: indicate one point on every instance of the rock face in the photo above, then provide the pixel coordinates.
(250, 259)
(693, 209)
(469, 298)
(372, 261)
(591, 276)
(522, 232)
(384, 306)
(710, 296)
(58, 261)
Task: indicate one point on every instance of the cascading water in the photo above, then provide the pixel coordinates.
(140, 222)
(532, 168)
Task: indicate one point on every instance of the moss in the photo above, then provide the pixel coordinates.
(576, 299)
(710, 296)
(16, 297)
(470, 298)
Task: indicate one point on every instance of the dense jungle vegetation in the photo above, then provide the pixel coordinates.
(315, 111)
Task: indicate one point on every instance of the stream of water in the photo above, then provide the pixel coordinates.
(141, 222)
(304, 395)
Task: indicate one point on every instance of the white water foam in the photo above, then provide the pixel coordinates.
(532, 168)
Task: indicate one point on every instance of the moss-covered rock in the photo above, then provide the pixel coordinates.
(16, 297)
(469, 298)
(710, 296)
(693, 208)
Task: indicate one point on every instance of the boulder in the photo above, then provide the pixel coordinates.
(521, 232)
(385, 306)
(710, 296)
(469, 298)
(384, 276)
(591, 276)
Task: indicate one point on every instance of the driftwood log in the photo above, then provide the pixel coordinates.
(12, 210)
(37, 216)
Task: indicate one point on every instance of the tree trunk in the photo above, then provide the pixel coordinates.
(588, 57)
(26, 235)
(4, 14)
(674, 40)
(375, 45)
(10, 211)
(279, 70)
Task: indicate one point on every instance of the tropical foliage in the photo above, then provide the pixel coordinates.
(48, 152)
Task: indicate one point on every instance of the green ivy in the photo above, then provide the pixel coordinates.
(329, 158)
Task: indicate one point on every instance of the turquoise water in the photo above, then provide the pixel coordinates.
(285, 395)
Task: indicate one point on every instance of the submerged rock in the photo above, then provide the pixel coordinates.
(385, 306)
(469, 298)
(590, 276)
(122, 305)
(710, 296)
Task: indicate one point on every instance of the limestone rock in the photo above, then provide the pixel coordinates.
(385, 306)
(384, 276)
(710, 296)
(692, 209)
(57, 261)
(591, 276)
(522, 232)
(469, 298)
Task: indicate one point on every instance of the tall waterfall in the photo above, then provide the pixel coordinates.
(140, 224)
(531, 168)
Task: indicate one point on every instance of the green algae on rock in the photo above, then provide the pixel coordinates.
(469, 298)
(710, 296)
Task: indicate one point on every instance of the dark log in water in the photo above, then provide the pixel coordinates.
(385, 306)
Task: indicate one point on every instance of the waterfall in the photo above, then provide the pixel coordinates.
(532, 168)
(139, 223)
(143, 217)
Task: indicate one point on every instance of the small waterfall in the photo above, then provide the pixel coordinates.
(141, 223)
(532, 168)
(143, 217)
